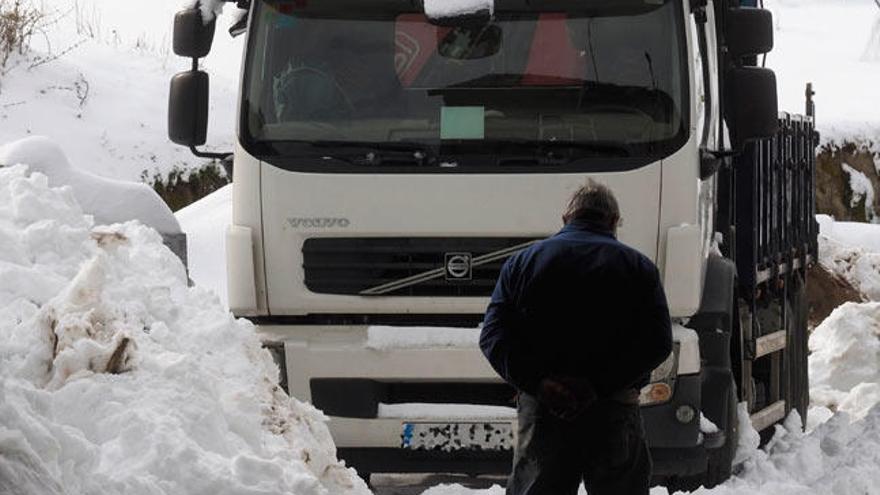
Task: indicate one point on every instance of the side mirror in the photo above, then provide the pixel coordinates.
(188, 108)
(748, 31)
(751, 109)
(192, 36)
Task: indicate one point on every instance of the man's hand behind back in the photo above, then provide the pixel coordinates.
(566, 397)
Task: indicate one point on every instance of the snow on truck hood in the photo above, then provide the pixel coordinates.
(116, 377)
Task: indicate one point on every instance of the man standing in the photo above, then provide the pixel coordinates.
(576, 323)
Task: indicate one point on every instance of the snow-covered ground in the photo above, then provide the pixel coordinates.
(116, 377)
(97, 82)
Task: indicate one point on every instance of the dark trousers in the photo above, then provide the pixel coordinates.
(605, 448)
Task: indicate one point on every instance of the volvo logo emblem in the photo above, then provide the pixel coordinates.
(459, 266)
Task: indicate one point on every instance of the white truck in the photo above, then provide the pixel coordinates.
(389, 160)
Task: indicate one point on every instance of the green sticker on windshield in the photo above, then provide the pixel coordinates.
(462, 123)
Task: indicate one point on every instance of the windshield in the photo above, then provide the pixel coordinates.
(524, 89)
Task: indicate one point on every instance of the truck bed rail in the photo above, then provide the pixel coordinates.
(775, 218)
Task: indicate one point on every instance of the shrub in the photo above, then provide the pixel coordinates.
(18, 23)
(181, 187)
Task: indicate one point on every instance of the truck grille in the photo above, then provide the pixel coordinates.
(405, 266)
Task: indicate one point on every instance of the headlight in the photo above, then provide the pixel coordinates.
(668, 368)
(662, 380)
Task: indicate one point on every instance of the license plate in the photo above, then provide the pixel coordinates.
(450, 437)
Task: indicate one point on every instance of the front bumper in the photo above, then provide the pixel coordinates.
(336, 370)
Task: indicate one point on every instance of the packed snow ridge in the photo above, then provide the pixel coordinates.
(440, 9)
(118, 378)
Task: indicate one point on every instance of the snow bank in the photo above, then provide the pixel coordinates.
(439, 9)
(852, 251)
(205, 223)
(109, 201)
(96, 81)
(838, 457)
(115, 377)
(854, 234)
(845, 359)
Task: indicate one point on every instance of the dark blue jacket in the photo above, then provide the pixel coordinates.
(580, 304)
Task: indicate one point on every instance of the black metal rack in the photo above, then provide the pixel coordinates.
(774, 223)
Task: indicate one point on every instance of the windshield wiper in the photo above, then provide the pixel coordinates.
(603, 148)
(524, 152)
(381, 153)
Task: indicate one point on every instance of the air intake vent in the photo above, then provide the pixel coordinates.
(422, 266)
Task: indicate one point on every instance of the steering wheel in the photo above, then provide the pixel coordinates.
(308, 93)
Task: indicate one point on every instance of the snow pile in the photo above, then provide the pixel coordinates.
(858, 267)
(838, 457)
(862, 190)
(855, 234)
(439, 9)
(115, 377)
(205, 223)
(845, 359)
(108, 200)
(851, 250)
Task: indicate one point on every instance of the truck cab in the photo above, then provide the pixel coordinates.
(388, 162)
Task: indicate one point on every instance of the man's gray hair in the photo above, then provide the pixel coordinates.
(595, 203)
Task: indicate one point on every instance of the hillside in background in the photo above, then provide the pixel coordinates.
(95, 80)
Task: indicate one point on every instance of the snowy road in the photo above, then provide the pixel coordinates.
(416, 484)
